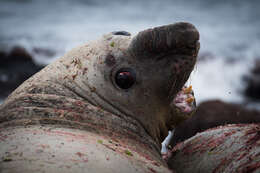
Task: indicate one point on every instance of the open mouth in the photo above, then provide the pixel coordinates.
(183, 106)
(184, 100)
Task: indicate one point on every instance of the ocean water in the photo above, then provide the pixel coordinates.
(229, 32)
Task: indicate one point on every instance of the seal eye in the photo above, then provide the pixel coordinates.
(125, 78)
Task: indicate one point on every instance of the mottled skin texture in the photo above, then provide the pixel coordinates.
(79, 91)
(224, 149)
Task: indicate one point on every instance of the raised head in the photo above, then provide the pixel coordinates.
(140, 76)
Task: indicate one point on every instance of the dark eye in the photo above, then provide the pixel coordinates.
(125, 78)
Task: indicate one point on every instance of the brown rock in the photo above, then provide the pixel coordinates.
(15, 67)
(253, 82)
(19, 53)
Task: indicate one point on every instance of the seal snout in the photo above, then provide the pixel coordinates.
(178, 38)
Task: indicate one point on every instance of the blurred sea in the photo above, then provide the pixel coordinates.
(230, 33)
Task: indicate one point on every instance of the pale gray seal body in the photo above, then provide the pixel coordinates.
(225, 149)
(116, 93)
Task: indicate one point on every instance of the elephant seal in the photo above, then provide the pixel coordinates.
(105, 106)
(230, 148)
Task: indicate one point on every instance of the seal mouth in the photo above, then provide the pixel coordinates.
(182, 106)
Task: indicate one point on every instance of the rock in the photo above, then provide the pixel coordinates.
(19, 54)
(253, 82)
(211, 114)
(15, 67)
(3, 58)
(2, 55)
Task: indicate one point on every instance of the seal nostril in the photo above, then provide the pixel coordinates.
(125, 33)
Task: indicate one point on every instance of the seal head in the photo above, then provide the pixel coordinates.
(140, 76)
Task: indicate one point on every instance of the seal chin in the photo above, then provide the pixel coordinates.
(183, 106)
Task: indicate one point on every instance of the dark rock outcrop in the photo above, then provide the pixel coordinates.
(212, 114)
(15, 67)
(253, 82)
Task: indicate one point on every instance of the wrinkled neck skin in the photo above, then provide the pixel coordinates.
(69, 89)
(51, 97)
(79, 90)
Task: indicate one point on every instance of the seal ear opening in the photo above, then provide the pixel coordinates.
(124, 33)
(160, 40)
